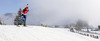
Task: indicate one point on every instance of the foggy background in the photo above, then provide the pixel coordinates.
(65, 11)
(61, 12)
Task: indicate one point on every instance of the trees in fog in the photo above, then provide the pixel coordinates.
(81, 24)
(18, 17)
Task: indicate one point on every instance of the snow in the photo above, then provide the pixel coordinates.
(38, 33)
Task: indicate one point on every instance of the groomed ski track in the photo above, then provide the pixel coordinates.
(39, 33)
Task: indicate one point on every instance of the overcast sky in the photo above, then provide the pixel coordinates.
(55, 12)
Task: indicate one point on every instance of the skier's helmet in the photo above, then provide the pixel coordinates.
(27, 7)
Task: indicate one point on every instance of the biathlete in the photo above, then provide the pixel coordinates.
(23, 15)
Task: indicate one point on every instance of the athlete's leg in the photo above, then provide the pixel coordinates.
(21, 20)
(25, 20)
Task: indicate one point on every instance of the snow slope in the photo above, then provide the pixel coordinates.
(38, 33)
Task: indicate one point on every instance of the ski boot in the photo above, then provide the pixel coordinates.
(24, 24)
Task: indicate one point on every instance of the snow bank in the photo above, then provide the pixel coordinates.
(38, 33)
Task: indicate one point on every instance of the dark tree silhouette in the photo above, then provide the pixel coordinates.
(18, 17)
(81, 24)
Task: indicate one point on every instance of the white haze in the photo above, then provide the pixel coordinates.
(8, 18)
(60, 12)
